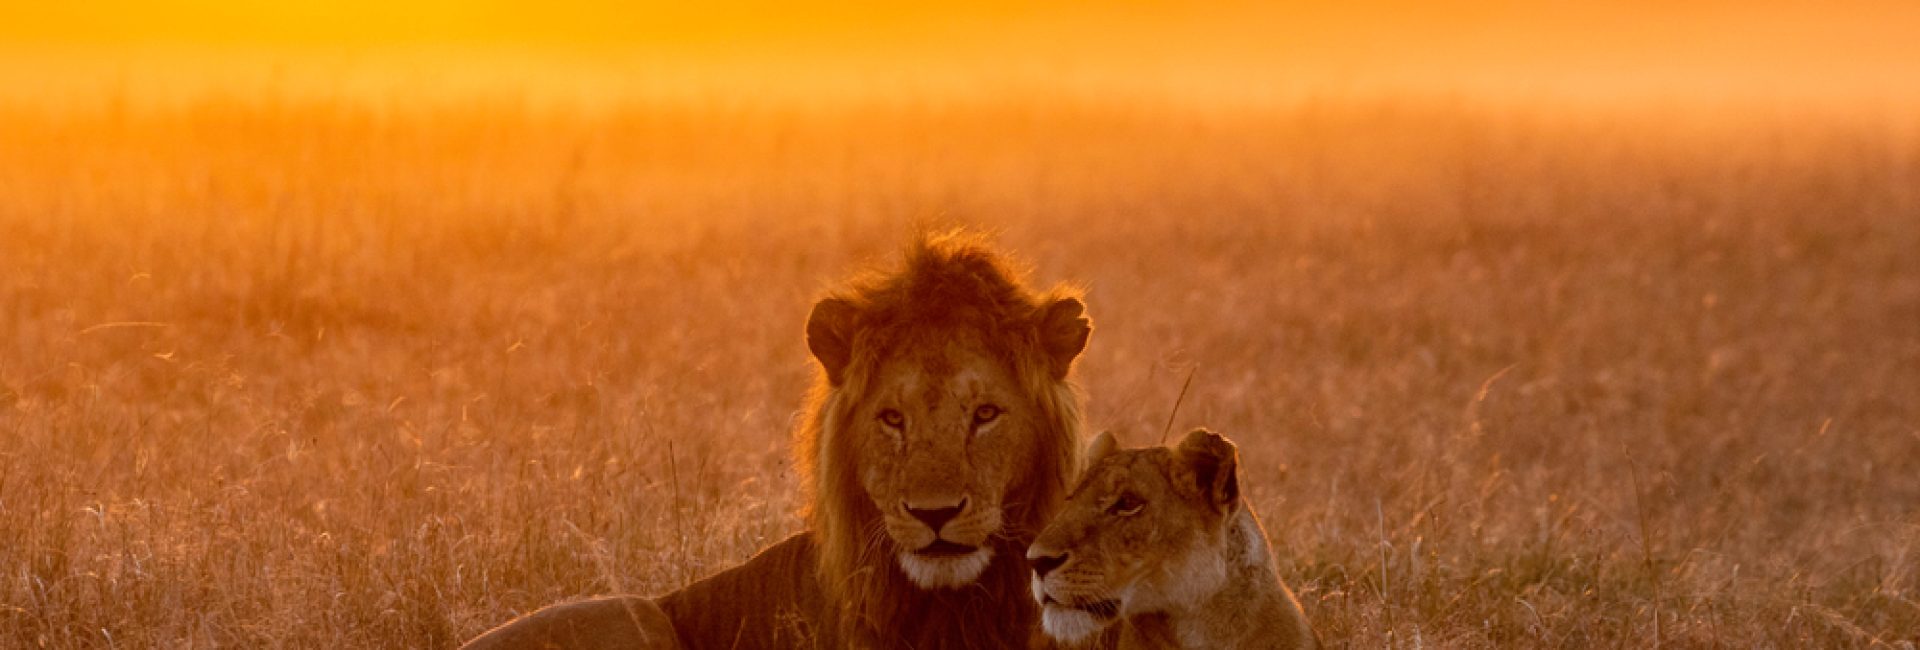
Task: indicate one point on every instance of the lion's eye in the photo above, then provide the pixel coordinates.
(892, 418)
(1127, 505)
(985, 413)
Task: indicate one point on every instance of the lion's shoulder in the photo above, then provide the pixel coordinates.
(603, 623)
(773, 600)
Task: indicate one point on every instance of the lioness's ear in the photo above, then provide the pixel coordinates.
(1063, 328)
(1102, 445)
(830, 336)
(1215, 467)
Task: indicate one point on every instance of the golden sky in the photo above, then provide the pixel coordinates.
(1853, 50)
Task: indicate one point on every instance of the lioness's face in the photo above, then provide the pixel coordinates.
(940, 435)
(1142, 533)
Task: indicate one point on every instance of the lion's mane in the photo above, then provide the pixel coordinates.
(946, 280)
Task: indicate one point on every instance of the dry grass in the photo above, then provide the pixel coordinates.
(318, 375)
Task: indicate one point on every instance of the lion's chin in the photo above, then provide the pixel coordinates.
(1069, 624)
(1072, 624)
(945, 571)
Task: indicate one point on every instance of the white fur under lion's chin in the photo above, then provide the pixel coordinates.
(1070, 625)
(945, 572)
(1065, 624)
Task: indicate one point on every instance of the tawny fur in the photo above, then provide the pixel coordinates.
(957, 321)
(1157, 547)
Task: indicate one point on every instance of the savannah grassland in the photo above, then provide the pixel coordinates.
(330, 373)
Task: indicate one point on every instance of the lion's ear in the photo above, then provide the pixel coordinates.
(1102, 445)
(1214, 465)
(1063, 328)
(830, 335)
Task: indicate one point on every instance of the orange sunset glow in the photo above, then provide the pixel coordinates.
(754, 324)
(1782, 51)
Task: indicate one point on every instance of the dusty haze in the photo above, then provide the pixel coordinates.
(343, 327)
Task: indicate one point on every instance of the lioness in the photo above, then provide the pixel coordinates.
(940, 436)
(1159, 541)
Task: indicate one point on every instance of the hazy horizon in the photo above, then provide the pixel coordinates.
(1851, 54)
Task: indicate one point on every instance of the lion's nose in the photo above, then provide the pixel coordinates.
(934, 518)
(1045, 564)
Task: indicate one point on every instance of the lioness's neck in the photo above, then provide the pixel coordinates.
(1250, 610)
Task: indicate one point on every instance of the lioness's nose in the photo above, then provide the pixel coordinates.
(936, 517)
(1044, 564)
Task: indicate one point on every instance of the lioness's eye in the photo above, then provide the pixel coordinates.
(892, 418)
(986, 413)
(1127, 505)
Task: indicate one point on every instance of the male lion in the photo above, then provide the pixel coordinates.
(938, 439)
(1160, 541)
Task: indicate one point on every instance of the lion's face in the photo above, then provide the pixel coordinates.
(1142, 533)
(946, 427)
(940, 438)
